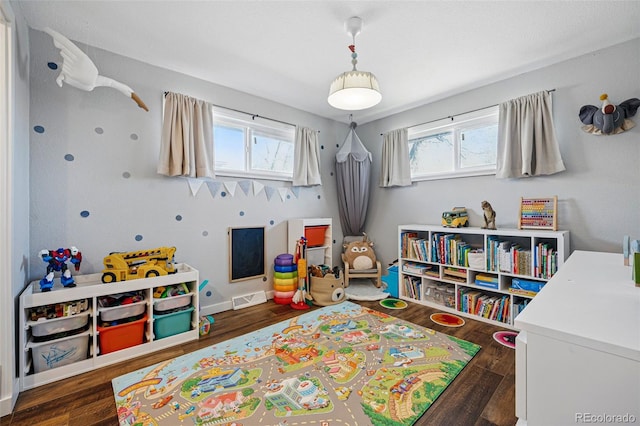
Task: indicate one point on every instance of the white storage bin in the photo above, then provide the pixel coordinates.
(123, 311)
(56, 353)
(173, 302)
(46, 327)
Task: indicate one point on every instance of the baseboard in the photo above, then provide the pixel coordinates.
(7, 404)
(225, 306)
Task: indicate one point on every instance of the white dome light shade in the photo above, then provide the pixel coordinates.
(354, 90)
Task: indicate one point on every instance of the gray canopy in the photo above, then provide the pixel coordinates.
(353, 170)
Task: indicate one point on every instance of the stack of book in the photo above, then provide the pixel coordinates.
(490, 306)
(489, 281)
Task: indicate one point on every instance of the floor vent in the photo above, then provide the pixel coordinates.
(247, 300)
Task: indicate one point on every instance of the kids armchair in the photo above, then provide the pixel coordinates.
(360, 260)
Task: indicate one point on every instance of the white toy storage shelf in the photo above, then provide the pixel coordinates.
(56, 348)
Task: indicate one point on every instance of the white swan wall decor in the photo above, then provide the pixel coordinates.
(80, 72)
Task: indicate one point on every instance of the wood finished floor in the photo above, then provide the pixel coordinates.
(483, 394)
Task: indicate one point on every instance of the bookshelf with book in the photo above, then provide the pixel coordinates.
(492, 273)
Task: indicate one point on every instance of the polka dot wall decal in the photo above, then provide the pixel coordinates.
(138, 237)
(241, 213)
(38, 129)
(208, 293)
(126, 175)
(264, 279)
(99, 130)
(319, 197)
(178, 218)
(69, 157)
(205, 233)
(271, 222)
(52, 65)
(331, 174)
(134, 137)
(337, 145)
(223, 194)
(321, 146)
(84, 213)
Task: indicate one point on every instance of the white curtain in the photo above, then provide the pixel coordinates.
(187, 138)
(396, 170)
(306, 158)
(527, 144)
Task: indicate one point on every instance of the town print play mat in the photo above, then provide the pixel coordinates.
(341, 364)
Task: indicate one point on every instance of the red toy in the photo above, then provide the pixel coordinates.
(57, 261)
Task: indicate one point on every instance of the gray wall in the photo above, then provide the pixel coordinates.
(598, 193)
(98, 154)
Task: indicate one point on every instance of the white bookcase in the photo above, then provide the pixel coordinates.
(434, 268)
(91, 288)
(316, 254)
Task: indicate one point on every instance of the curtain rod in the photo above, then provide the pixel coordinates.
(468, 112)
(253, 116)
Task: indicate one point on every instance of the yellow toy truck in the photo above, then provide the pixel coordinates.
(455, 218)
(121, 266)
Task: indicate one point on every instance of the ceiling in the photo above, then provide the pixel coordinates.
(290, 51)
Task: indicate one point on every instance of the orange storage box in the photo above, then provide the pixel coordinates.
(116, 337)
(315, 235)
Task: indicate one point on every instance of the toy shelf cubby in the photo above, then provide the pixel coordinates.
(90, 287)
(458, 270)
(317, 254)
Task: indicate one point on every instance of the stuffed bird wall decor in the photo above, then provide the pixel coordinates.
(80, 72)
(609, 119)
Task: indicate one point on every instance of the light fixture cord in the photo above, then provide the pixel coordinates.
(354, 55)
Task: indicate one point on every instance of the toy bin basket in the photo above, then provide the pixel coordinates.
(315, 235)
(56, 353)
(165, 325)
(116, 337)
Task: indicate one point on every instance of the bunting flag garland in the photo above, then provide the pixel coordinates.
(257, 187)
(231, 187)
(283, 193)
(214, 187)
(195, 185)
(245, 185)
(249, 187)
(269, 191)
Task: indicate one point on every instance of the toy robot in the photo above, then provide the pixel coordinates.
(57, 261)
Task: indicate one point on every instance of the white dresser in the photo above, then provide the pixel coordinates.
(578, 352)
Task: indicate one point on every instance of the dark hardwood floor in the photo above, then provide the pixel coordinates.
(483, 393)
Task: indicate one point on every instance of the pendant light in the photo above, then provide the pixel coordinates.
(354, 90)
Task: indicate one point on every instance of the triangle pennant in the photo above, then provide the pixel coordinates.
(231, 187)
(257, 188)
(245, 185)
(296, 191)
(214, 187)
(283, 193)
(269, 191)
(195, 185)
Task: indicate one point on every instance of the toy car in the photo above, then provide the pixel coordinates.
(455, 218)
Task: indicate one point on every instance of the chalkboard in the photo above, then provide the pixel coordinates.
(246, 253)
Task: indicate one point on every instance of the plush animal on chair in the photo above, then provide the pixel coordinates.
(360, 261)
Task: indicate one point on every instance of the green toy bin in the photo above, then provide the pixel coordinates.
(165, 325)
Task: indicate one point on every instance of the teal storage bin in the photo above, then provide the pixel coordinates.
(165, 325)
(391, 280)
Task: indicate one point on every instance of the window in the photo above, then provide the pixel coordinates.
(252, 147)
(465, 145)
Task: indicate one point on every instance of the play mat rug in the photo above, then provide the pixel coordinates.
(338, 365)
